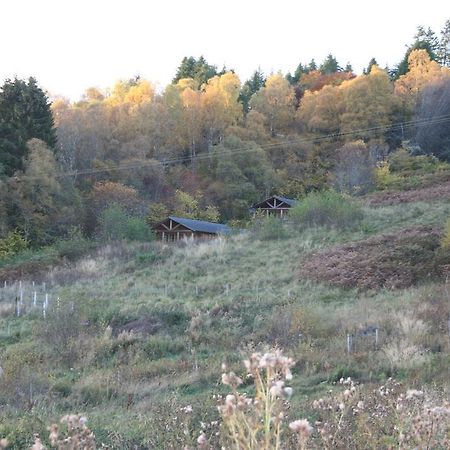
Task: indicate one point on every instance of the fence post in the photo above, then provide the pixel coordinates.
(349, 343)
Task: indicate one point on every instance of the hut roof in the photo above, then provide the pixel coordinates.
(288, 201)
(201, 225)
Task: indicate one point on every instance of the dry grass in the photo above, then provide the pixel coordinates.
(431, 193)
(391, 260)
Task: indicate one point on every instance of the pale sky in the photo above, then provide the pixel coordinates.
(69, 45)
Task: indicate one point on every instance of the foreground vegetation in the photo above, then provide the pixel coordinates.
(140, 331)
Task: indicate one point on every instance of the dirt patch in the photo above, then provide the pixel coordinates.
(392, 260)
(437, 192)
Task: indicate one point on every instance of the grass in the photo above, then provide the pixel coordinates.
(200, 305)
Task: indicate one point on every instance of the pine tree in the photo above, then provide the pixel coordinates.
(197, 69)
(424, 40)
(24, 114)
(330, 65)
(372, 62)
(444, 45)
(250, 87)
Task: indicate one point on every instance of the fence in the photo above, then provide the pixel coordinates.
(25, 297)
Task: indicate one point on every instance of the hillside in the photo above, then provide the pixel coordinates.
(135, 332)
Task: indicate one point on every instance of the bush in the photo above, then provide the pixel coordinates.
(12, 244)
(116, 224)
(270, 228)
(74, 245)
(329, 209)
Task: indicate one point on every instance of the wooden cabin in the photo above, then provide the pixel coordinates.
(273, 206)
(178, 228)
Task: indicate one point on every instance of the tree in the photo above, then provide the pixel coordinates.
(250, 87)
(197, 69)
(42, 206)
(372, 62)
(444, 45)
(276, 100)
(239, 178)
(368, 104)
(434, 102)
(424, 40)
(330, 65)
(24, 114)
(422, 70)
(220, 105)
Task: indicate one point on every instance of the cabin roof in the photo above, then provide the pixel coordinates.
(200, 225)
(289, 201)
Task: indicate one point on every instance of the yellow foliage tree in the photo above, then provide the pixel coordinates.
(276, 100)
(220, 105)
(422, 71)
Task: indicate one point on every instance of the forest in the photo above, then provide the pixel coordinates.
(208, 145)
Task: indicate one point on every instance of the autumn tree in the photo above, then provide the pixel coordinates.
(24, 114)
(276, 100)
(41, 204)
(423, 40)
(221, 106)
(422, 70)
(369, 105)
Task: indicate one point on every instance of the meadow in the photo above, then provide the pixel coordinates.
(135, 334)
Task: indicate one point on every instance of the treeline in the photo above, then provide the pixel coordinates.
(208, 146)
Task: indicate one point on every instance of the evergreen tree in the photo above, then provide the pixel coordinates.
(372, 62)
(24, 114)
(250, 87)
(197, 69)
(444, 45)
(312, 66)
(424, 40)
(299, 71)
(330, 65)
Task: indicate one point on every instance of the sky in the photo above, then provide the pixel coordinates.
(71, 45)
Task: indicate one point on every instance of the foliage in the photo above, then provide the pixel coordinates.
(74, 245)
(116, 224)
(12, 244)
(24, 114)
(269, 228)
(329, 209)
(276, 100)
(258, 422)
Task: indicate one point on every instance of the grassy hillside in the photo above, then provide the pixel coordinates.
(135, 333)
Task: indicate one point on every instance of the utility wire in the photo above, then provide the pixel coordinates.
(240, 150)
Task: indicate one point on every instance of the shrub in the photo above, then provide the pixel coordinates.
(74, 245)
(12, 244)
(270, 228)
(329, 209)
(116, 224)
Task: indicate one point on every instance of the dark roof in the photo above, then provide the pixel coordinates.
(201, 225)
(288, 201)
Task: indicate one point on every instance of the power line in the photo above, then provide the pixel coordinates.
(240, 150)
